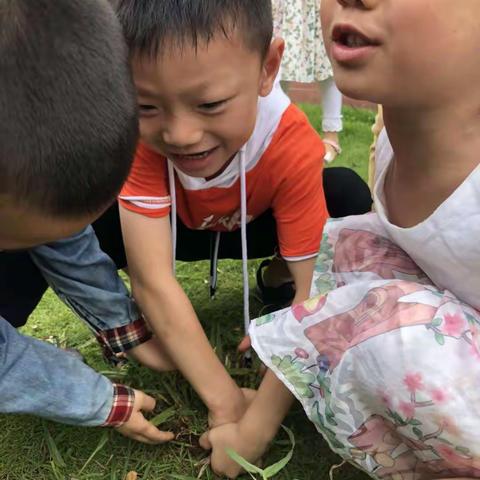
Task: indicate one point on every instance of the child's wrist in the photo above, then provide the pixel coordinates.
(228, 407)
(262, 431)
(259, 426)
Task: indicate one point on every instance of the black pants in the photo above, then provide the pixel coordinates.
(22, 284)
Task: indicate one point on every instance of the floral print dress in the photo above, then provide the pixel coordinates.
(305, 58)
(384, 361)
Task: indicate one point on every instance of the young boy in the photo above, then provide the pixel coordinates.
(226, 155)
(65, 150)
(385, 360)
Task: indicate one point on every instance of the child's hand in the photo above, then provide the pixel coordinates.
(138, 427)
(245, 344)
(233, 411)
(251, 446)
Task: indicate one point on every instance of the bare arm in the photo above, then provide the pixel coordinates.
(251, 436)
(172, 318)
(302, 273)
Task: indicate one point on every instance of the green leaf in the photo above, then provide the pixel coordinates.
(414, 421)
(445, 441)
(463, 450)
(436, 322)
(440, 338)
(272, 470)
(163, 417)
(247, 466)
(53, 449)
(331, 421)
(417, 432)
(265, 319)
(294, 372)
(471, 319)
(397, 418)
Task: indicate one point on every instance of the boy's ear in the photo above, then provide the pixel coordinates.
(271, 66)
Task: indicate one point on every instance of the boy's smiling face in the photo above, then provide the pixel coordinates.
(403, 52)
(198, 107)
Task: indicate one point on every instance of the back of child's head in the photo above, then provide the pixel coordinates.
(156, 26)
(68, 123)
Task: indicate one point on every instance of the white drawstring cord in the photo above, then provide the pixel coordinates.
(214, 265)
(173, 197)
(243, 228)
(243, 231)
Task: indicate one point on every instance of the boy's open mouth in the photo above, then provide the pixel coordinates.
(192, 156)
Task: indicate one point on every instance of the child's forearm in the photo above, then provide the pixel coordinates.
(302, 273)
(268, 409)
(175, 323)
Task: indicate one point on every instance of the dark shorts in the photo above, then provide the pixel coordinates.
(22, 285)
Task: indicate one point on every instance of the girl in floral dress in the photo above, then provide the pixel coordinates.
(385, 356)
(305, 60)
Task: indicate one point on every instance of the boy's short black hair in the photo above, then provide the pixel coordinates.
(68, 115)
(153, 25)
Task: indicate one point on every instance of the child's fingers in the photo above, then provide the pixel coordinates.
(143, 431)
(145, 402)
(262, 370)
(245, 344)
(153, 435)
(205, 441)
(149, 441)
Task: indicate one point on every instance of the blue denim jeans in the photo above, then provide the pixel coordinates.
(86, 279)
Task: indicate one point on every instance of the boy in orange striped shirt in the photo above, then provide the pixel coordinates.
(227, 168)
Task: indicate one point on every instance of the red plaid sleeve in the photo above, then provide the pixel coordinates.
(117, 341)
(122, 407)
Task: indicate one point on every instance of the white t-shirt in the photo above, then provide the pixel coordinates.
(447, 244)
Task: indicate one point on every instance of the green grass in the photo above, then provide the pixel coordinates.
(33, 449)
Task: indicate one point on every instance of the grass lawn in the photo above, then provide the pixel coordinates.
(33, 449)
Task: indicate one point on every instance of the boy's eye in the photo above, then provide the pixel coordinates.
(210, 106)
(147, 109)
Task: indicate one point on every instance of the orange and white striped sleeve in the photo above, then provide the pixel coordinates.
(146, 190)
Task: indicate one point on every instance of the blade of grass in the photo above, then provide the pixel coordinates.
(247, 466)
(272, 470)
(103, 441)
(53, 449)
(163, 417)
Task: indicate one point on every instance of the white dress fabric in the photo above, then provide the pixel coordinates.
(298, 23)
(385, 356)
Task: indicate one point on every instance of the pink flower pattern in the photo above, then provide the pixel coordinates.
(438, 396)
(407, 408)
(453, 325)
(413, 382)
(406, 424)
(301, 353)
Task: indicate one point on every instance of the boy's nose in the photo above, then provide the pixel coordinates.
(182, 133)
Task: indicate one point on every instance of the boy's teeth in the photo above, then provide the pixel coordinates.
(196, 155)
(355, 41)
